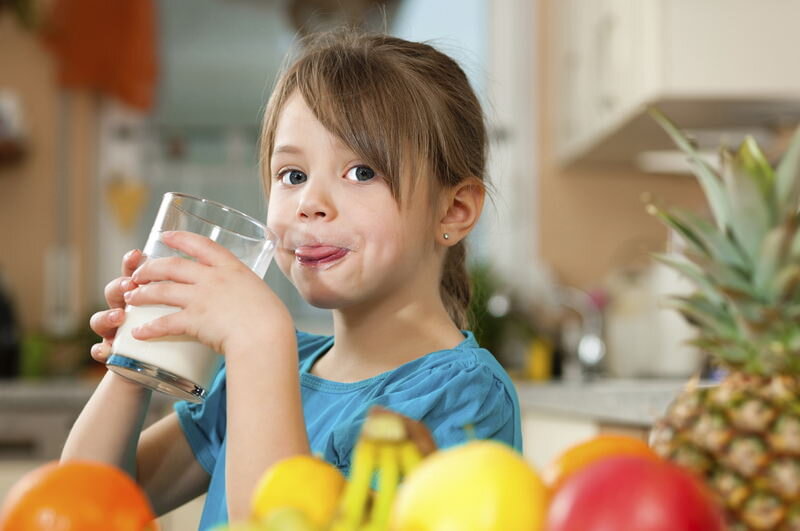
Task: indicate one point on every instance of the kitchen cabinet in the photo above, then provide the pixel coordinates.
(710, 64)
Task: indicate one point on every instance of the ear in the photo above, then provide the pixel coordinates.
(461, 207)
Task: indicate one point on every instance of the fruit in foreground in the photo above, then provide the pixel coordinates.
(288, 519)
(590, 451)
(628, 492)
(479, 486)
(76, 495)
(309, 484)
(743, 436)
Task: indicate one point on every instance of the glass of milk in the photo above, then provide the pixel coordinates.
(179, 365)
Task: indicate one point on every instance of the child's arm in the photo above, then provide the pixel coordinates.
(265, 415)
(108, 430)
(253, 329)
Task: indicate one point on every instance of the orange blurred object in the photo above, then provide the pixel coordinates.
(582, 454)
(106, 46)
(77, 495)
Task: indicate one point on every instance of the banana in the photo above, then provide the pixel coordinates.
(410, 457)
(385, 446)
(388, 478)
(354, 500)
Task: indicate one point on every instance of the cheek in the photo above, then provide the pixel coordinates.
(279, 216)
(391, 242)
(284, 260)
(275, 213)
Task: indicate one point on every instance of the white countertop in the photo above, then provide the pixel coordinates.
(26, 395)
(634, 402)
(627, 401)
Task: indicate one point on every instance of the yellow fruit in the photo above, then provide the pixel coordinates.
(303, 482)
(478, 486)
(240, 526)
(288, 519)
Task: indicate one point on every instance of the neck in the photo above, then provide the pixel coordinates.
(376, 336)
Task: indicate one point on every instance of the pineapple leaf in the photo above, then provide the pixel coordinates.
(706, 176)
(751, 213)
(792, 311)
(787, 177)
(774, 251)
(669, 219)
(734, 355)
(693, 273)
(785, 284)
(716, 245)
(729, 280)
(752, 160)
(709, 316)
(795, 251)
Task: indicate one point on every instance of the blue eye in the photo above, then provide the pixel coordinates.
(293, 177)
(360, 173)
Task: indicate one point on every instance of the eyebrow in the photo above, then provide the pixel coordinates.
(287, 148)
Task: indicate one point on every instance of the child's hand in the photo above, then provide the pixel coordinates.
(223, 303)
(106, 322)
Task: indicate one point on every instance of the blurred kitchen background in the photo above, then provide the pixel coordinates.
(104, 106)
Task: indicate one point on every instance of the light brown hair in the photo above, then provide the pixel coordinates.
(403, 107)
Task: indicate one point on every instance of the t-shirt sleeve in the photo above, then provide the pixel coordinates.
(474, 403)
(203, 424)
(457, 402)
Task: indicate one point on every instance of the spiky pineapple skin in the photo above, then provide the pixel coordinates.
(742, 437)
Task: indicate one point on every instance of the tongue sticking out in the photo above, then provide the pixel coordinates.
(316, 254)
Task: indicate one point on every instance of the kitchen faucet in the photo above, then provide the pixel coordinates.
(584, 356)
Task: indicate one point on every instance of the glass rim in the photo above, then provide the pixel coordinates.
(269, 235)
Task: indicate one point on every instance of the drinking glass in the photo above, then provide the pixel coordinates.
(180, 365)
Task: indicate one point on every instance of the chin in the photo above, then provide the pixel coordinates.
(321, 296)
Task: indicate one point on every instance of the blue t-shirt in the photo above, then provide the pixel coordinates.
(446, 390)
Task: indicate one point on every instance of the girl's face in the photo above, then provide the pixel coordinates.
(344, 238)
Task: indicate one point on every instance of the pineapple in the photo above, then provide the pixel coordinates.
(743, 435)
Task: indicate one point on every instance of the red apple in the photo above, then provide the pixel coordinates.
(633, 493)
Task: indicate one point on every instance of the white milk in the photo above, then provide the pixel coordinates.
(181, 355)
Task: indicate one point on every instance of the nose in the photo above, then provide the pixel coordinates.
(316, 201)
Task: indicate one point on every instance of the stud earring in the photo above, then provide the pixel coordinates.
(446, 236)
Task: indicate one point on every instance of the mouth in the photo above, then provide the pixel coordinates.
(319, 255)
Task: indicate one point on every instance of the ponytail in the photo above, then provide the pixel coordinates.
(455, 287)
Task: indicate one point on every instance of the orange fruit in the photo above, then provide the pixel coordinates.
(308, 484)
(77, 495)
(587, 452)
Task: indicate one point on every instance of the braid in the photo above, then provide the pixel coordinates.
(455, 286)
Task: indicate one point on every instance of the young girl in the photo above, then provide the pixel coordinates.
(374, 153)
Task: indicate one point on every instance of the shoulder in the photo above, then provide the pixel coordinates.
(463, 385)
(308, 345)
(453, 368)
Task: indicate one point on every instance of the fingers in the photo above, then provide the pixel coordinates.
(106, 322)
(173, 268)
(199, 247)
(169, 293)
(131, 261)
(101, 351)
(115, 290)
(173, 324)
